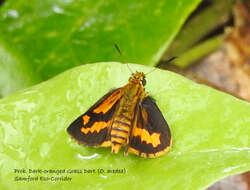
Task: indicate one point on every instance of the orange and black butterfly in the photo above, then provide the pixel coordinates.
(128, 117)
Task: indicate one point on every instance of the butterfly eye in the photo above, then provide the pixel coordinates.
(143, 82)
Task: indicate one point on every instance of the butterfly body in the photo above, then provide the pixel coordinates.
(126, 117)
(131, 94)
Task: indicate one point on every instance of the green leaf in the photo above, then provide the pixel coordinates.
(14, 73)
(210, 132)
(199, 51)
(52, 36)
(209, 18)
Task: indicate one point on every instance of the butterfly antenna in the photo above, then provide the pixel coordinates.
(171, 59)
(168, 61)
(124, 59)
(151, 71)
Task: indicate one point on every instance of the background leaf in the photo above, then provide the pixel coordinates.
(52, 36)
(15, 74)
(202, 25)
(210, 133)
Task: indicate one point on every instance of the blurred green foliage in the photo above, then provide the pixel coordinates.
(48, 37)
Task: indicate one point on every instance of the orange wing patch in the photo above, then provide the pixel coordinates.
(85, 119)
(108, 103)
(144, 135)
(96, 127)
(106, 144)
(150, 155)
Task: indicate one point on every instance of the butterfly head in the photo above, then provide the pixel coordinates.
(138, 77)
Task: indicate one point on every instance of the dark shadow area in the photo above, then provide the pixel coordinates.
(201, 7)
(218, 30)
(1, 2)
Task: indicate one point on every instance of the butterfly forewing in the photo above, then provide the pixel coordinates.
(93, 127)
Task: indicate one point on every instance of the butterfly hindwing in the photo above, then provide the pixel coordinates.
(150, 136)
(93, 127)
